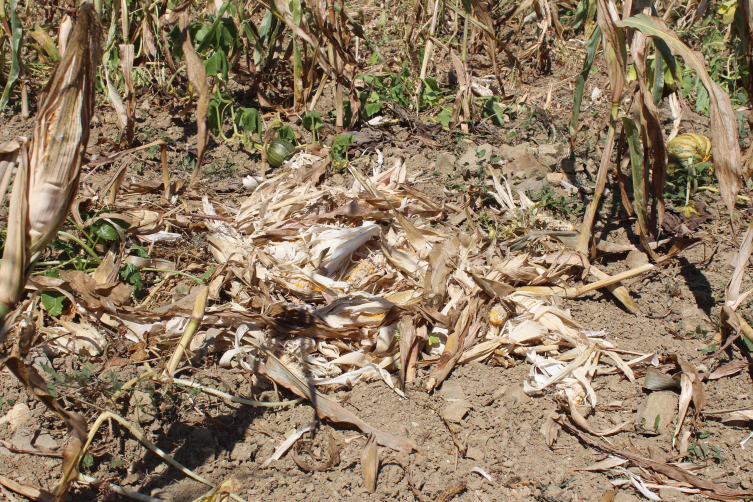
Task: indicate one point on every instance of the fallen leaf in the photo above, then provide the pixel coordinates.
(370, 463)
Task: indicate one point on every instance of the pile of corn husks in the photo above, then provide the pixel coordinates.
(369, 282)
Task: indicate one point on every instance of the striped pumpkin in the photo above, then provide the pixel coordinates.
(686, 151)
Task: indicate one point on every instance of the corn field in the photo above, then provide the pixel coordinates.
(223, 216)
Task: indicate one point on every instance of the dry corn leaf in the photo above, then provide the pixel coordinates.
(712, 489)
(370, 464)
(222, 492)
(654, 132)
(197, 75)
(333, 450)
(325, 408)
(732, 291)
(66, 25)
(729, 369)
(9, 153)
(605, 465)
(126, 66)
(293, 436)
(27, 491)
(83, 339)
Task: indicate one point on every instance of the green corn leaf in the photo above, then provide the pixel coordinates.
(15, 46)
(658, 78)
(204, 45)
(593, 44)
(583, 13)
(347, 114)
(295, 11)
(636, 165)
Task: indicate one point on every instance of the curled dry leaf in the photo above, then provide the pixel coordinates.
(656, 380)
(333, 452)
(289, 441)
(583, 424)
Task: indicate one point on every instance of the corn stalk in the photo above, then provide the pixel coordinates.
(616, 55)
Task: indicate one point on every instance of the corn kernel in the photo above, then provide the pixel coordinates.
(497, 316)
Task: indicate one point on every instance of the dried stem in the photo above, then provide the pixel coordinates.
(193, 325)
(165, 171)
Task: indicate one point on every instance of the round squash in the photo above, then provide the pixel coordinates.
(686, 151)
(278, 151)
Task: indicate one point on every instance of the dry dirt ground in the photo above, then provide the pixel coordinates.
(501, 431)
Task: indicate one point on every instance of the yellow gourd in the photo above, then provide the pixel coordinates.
(686, 151)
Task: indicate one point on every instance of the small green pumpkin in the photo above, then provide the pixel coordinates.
(278, 151)
(686, 151)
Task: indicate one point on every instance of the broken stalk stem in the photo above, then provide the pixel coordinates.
(617, 289)
(578, 291)
(601, 181)
(165, 171)
(193, 325)
(429, 49)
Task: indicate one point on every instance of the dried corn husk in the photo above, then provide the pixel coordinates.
(47, 182)
(61, 132)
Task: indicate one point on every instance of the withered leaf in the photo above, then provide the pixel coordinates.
(370, 463)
